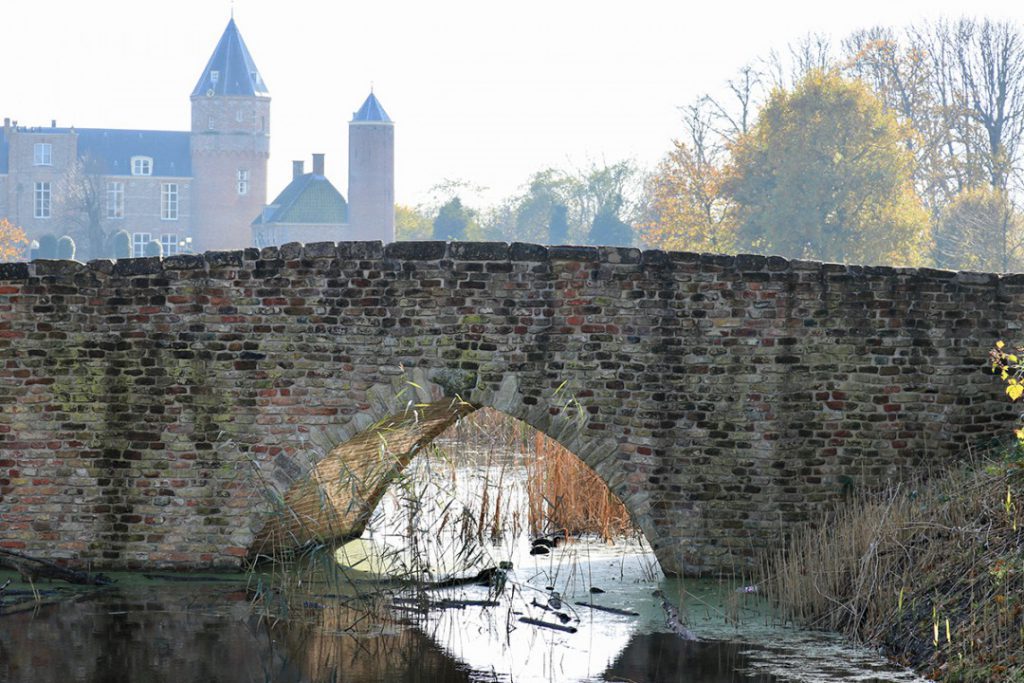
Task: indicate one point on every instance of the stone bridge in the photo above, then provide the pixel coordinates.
(164, 412)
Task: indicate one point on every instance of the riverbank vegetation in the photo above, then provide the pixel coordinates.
(933, 573)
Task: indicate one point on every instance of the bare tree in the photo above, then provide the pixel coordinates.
(979, 77)
(80, 204)
(731, 118)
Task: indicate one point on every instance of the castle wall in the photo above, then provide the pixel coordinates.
(23, 174)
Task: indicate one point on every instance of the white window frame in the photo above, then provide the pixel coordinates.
(142, 165)
(214, 76)
(169, 243)
(168, 201)
(42, 154)
(139, 242)
(41, 200)
(243, 181)
(115, 200)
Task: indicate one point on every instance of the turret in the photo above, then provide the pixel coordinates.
(230, 145)
(371, 173)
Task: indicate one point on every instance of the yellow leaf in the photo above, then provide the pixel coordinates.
(1000, 344)
(1014, 391)
(1012, 358)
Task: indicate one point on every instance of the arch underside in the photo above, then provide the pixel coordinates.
(333, 504)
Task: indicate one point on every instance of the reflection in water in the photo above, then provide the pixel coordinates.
(664, 657)
(176, 634)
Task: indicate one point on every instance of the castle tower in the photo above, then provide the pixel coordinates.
(371, 173)
(230, 143)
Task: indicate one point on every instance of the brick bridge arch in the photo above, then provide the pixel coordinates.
(153, 412)
(335, 495)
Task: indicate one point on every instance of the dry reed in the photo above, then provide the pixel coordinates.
(933, 573)
(565, 494)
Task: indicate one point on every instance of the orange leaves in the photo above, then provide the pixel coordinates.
(687, 209)
(13, 242)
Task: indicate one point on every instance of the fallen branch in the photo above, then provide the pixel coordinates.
(610, 610)
(32, 568)
(548, 624)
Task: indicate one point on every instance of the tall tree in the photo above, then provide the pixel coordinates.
(411, 223)
(981, 230)
(989, 77)
(80, 206)
(825, 173)
(608, 229)
(686, 207)
(452, 221)
(558, 224)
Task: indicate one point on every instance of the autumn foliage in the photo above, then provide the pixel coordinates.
(13, 242)
(687, 209)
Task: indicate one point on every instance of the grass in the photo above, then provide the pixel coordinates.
(933, 573)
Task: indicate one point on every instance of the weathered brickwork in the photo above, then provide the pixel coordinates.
(146, 405)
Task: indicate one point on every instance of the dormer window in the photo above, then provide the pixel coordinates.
(142, 165)
(214, 77)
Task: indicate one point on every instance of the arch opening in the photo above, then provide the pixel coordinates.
(476, 477)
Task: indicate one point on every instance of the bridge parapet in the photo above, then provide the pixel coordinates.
(146, 404)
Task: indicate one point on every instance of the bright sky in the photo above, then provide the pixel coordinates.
(487, 92)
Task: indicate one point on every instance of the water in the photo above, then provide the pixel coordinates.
(142, 630)
(156, 631)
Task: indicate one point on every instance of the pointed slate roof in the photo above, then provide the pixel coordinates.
(231, 70)
(310, 198)
(371, 112)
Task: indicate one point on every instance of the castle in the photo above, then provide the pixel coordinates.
(197, 190)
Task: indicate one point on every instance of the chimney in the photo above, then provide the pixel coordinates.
(297, 169)
(318, 164)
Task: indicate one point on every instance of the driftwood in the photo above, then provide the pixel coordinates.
(610, 610)
(188, 577)
(485, 577)
(548, 624)
(32, 568)
(672, 619)
(416, 604)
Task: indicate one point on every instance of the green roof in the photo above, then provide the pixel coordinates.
(310, 198)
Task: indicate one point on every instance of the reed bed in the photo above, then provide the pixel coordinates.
(566, 495)
(933, 573)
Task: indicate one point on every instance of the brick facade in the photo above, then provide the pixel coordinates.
(724, 399)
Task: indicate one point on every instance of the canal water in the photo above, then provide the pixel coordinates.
(584, 611)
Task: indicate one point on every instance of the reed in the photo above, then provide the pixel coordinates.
(564, 494)
(931, 572)
(460, 498)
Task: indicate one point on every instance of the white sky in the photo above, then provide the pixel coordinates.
(487, 92)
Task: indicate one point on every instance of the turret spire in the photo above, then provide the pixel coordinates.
(371, 111)
(231, 69)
